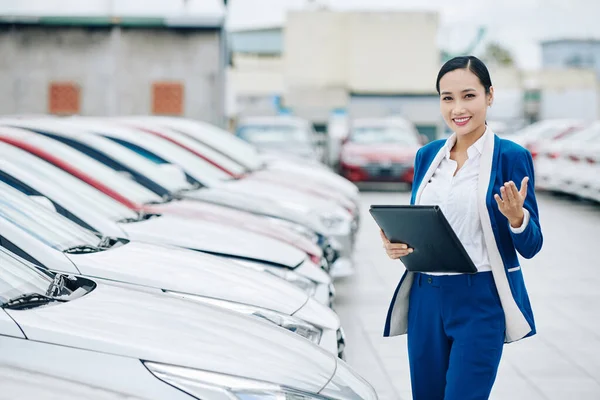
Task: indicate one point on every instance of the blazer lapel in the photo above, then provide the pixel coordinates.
(517, 326)
(432, 167)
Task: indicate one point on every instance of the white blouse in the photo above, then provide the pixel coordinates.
(456, 195)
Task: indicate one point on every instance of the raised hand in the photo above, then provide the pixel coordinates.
(511, 201)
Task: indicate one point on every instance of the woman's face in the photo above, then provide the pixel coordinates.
(463, 101)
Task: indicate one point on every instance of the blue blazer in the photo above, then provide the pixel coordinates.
(501, 161)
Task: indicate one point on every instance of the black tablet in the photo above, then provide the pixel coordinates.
(426, 230)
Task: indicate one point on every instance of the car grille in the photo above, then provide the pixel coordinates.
(385, 170)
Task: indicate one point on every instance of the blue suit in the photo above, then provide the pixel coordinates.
(503, 288)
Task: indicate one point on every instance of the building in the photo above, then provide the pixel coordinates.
(109, 57)
(326, 62)
(571, 54)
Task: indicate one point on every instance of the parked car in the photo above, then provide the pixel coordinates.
(98, 212)
(533, 136)
(380, 150)
(20, 383)
(246, 155)
(287, 135)
(154, 346)
(52, 242)
(326, 218)
(568, 164)
(167, 183)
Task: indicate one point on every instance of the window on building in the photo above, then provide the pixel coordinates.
(63, 98)
(167, 98)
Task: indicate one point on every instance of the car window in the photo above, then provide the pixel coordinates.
(94, 199)
(46, 225)
(383, 135)
(18, 277)
(273, 134)
(197, 168)
(123, 185)
(220, 140)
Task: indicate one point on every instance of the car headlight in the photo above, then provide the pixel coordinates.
(306, 285)
(293, 324)
(215, 386)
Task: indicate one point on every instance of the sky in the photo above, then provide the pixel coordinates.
(518, 25)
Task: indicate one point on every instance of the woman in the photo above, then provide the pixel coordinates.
(457, 324)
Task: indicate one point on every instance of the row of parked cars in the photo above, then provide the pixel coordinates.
(164, 258)
(566, 156)
(369, 150)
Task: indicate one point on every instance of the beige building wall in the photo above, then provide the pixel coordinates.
(365, 52)
(257, 75)
(392, 52)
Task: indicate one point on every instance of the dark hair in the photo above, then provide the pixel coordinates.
(473, 64)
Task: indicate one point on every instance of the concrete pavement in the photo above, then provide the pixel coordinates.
(561, 362)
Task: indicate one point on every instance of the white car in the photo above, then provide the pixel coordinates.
(532, 136)
(247, 155)
(326, 218)
(154, 346)
(20, 383)
(561, 166)
(98, 212)
(164, 180)
(51, 241)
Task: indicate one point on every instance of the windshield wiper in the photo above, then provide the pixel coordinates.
(57, 285)
(165, 198)
(142, 216)
(28, 300)
(81, 249)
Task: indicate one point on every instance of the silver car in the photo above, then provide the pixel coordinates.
(51, 241)
(98, 212)
(154, 346)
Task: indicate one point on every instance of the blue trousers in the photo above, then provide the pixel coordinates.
(456, 334)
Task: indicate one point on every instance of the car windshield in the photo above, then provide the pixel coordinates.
(94, 199)
(383, 135)
(221, 140)
(18, 277)
(46, 225)
(212, 155)
(136, 162)
(148, 145)
(117, 181)
(274, 134)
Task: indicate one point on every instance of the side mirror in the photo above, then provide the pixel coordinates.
(44, 202)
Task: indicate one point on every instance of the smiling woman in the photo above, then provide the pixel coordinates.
(457, 323)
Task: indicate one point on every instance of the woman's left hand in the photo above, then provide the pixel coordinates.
(511, 202)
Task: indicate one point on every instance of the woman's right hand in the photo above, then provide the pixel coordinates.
(394, 250)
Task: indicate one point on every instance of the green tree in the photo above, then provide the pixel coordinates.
(496, 54)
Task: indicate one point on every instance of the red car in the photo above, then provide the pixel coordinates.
(380, 150)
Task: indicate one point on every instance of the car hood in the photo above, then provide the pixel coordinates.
(393, 152)
(241, 219)
(256, 205)
(308, 186)
(213, 238)
(186, 271)
(285, 197)
(159, 328)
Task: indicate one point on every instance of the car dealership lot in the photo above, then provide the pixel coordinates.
(561, 361)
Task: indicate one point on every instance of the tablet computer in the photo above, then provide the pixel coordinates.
(426, 230)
